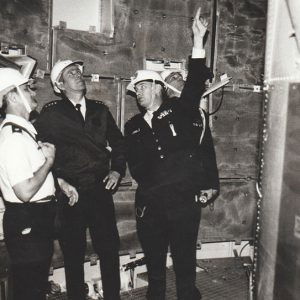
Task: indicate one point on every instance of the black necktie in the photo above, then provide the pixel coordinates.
(77, 106)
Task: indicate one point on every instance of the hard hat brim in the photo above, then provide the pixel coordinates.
(131, 85)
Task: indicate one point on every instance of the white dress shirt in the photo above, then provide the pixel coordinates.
(82, 107)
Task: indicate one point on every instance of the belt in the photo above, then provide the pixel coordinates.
(45, 200)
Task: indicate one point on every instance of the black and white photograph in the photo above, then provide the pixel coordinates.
(149, 149)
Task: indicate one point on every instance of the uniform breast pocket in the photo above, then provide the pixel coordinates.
(96, 122)
(139, 137)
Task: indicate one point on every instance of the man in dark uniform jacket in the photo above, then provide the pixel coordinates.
(90, 155)
(170, 167)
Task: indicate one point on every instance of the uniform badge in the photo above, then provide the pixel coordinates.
(26, 231)
(164, 114)
(198, 124)
(136, 131)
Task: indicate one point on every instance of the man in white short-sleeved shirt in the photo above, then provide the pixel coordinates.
(27, 187)
(21, 157)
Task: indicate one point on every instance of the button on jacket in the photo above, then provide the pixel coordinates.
(169, 152)
(82, 153)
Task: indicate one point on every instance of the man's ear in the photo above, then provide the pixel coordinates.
(12, 96)
(60, 85)
(158, 88)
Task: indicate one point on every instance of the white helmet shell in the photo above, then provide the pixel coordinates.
(59, 67)
(164, 74)
(142, 75)
(9, 79)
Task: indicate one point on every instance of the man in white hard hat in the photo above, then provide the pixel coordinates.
(169, 165)
(175, 79)
(28, 190)
(81, 129)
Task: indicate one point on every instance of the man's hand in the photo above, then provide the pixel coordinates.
(48, 151)
(199, 29)
(207, 195)
(69, 190)
(111, 180)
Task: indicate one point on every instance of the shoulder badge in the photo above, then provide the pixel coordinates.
(136, 131)
(50, 104)
(135, 118)
(99, 102)
(132, 125)
(164, 113)
(16, 129)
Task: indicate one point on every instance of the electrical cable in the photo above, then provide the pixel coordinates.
(219, 105)
(243, 248)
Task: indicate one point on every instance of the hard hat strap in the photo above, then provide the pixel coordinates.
(24, 100)
(172, 88)
(152, 93)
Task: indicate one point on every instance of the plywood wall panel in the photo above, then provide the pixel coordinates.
(236, 124)
(106, 90)
(241, 40)
(238, 100)
(240, 54)
(237, 158)
(152, 29)
(233, 214)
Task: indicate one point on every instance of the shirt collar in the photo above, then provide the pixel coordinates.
(19, 121)
(81, 102)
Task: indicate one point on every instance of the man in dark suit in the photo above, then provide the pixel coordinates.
(171, 167)
(90, 155)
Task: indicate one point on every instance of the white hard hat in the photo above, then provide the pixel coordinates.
(9, 79)
(142, 75)
(164, 74)
(59, 67)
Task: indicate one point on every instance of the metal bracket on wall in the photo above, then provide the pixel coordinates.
(249, 87)
(163, 64)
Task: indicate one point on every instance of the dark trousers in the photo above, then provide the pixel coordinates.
(160, 224)
(94, 210)
(28, 232)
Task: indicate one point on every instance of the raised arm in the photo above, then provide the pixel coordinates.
(198, 72)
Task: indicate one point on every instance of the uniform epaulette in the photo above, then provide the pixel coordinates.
(16, 129)
(133, 122)
(136, 117)
(50, 104)
(99, 102)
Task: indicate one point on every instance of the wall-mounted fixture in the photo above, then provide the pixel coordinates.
(162, 64)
